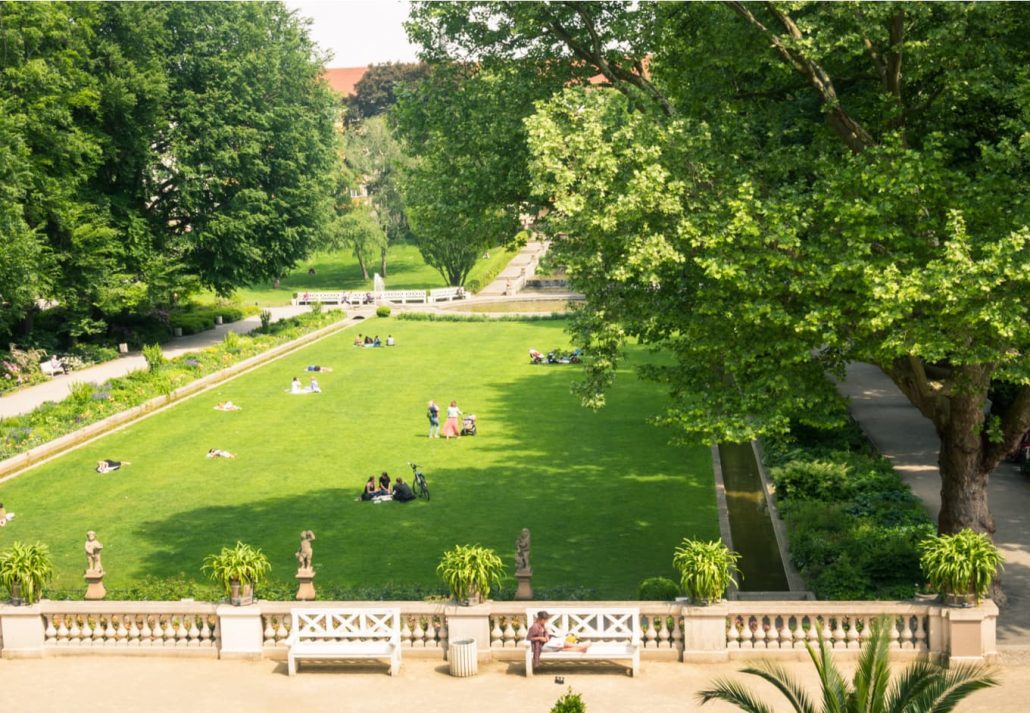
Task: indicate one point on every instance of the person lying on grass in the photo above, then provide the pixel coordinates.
(227, 406)
(219, 453)
(316, 367)
(110, 466)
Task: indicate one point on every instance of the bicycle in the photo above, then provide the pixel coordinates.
(421, 487)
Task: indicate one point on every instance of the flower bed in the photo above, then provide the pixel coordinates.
(854, 526)
(89, 403)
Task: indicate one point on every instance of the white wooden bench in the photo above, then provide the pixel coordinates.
(446, 294)
(613, 634)
(403, 296)
(304, 298)
(356, 298)
(343, 634)
(47, 368)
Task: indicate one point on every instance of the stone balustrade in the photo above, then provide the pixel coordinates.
(670, 630)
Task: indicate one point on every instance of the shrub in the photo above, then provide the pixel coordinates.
(232, 342)
(81, 393)
(154, 356)
(383, 311)
(811, 480)
(473, 286)
(660, 589)
(316, 308)
(266, 319)
(706, 569)
(242, 563)
(470, 571)
(569, 703)
(26, 569)
(458, 317)
(961, 564)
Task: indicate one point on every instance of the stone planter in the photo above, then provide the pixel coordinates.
(962, 601)
(241, 596)
(16, 598)
(463, 658)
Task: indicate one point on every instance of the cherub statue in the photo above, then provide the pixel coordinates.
(93, 548)
(304, 554)
(522, 551)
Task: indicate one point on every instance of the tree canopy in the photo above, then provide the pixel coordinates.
(777, 189)
(150, 147)
(376, 91)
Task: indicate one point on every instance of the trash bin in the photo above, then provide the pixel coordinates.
(177, 331)
(462, 655)
(218, 319)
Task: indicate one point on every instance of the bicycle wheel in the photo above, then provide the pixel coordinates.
(423, 488)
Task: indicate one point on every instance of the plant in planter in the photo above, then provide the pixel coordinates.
(706, 569)
(25, 570)
(471, 572)
(961, 566)
(239, 570)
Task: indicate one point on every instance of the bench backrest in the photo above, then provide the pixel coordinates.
(346, 625)
(620, 624)
(319, 296)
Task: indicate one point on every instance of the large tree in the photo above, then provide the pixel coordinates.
(792, 188)
(376, 91)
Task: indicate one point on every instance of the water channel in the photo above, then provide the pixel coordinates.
(750, 523)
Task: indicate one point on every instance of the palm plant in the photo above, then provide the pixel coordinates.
(25, 570)
(706, 569)
(923, 687)
(470, 572)
(238, 566)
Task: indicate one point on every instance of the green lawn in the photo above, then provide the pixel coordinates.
(606, 496)
(338, 270)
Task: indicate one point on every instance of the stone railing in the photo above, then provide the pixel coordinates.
(670, 630)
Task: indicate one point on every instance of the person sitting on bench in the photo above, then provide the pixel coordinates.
(402, 491)
(110, 466)
(540, 639)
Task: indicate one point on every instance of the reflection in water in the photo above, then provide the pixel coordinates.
(750, 525)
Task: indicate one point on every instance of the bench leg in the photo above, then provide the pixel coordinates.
(636, 665)
(291, 666)
(395, 666)
(529, 665)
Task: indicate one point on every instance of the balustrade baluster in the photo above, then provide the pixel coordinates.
(798, 638)
(134, 630)
(772, 634)
(827, 631)
(854, 639)
(758, 633)
(146, 633)
(496, 634)
(194, 632)
(87, 632)
(521, 632)
(920, 637)
(73, 630)
(509, 634)
(405, 633)
(418, 634)
(894, 643)
(732, 634)
(430, 633)
(747, 634)
(677, 633)
(663, 633)
(650, 634)
(50, 634)
(206, 634)
(906, 634)
(268, 636)
(121, 633)
(109, 631)
(838, 633)
(282, 631)
(62, 631)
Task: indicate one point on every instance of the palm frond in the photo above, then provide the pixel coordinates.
(786, 684)
(910, 685)
(953, 685)
(873, 675)
(734, 693)
(834, 688)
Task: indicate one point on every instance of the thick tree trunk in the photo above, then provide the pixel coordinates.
(361, 264)
(382, 263)
(961, 461)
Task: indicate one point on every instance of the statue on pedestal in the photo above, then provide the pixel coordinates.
(522, 551)
(93, 548)
(305, 573)
(305, 553)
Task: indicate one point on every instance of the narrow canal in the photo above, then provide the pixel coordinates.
(750, 523)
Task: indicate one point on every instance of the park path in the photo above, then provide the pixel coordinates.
(522, 259)
(57, 389)
(909, 441)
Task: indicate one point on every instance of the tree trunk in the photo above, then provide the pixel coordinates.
(361, 264)
(961, 461)
(382, 262)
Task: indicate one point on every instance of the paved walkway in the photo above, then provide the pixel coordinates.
(58, 388)
(499, 286)
(909, 440)
(116, 684)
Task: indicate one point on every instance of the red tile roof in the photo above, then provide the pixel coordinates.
(343, 79)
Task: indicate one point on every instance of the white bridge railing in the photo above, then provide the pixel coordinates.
(441, 294)
(670, 630)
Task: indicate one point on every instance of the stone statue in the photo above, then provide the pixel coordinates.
(304, 554)
(522, 551)
(93, 548)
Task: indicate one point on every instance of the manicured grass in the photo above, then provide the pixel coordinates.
(338, 270)
(605, 494)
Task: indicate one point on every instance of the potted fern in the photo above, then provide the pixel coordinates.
(961, 566)
(239, 570)
(706, 569)
(471, 572)
(25, 570)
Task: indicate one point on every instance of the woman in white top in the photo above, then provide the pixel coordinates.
(451, 427)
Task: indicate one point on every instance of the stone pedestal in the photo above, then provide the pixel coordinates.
(525, 588)
(305, 588)
(472, 622)
(22, 632)
(95, 588)
(241, 632)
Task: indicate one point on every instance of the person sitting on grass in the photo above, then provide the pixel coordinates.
(376, 342)
(390, 341)
(384, 483)
(316, 367)
(227, 406)
(219, 453)
(368, 340)
(5, 517)
(402, 491)
(295, 387)
(313, 387)
(370, 489)
(359, 341)
(110, 466)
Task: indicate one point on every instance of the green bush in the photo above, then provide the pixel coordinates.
(154, 356)
(232, 342)
(661, 589)
(383, 311)
(854, 526)
(25, 570)
(706, 569)
(266, 319)
(811, 480)
(316, 308)
(458, 317)
(569, 703)
(471, 571)
(473, 286)
(961, 564)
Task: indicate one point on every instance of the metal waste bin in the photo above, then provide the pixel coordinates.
(463, 657)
